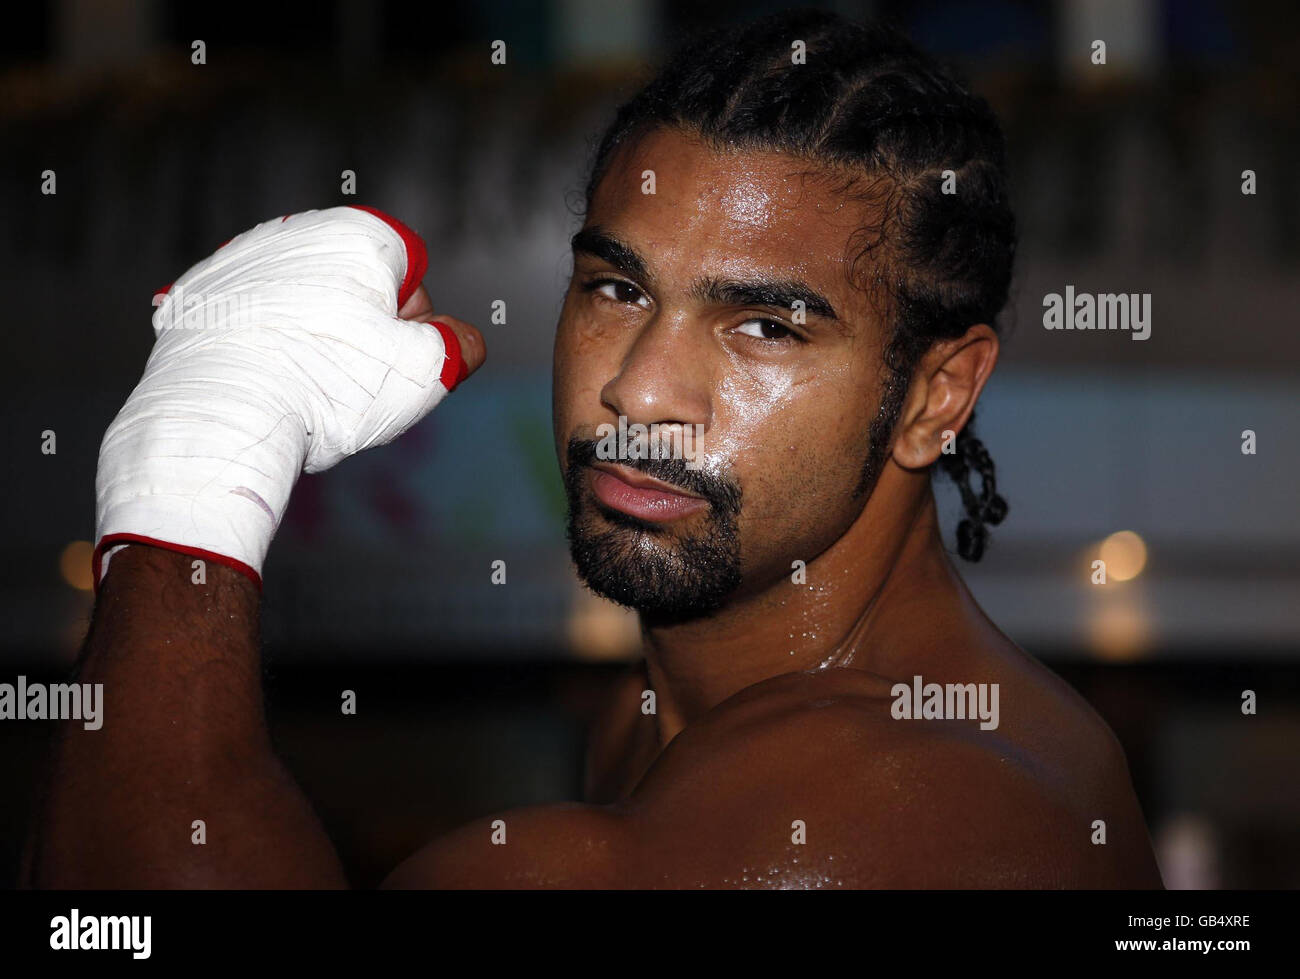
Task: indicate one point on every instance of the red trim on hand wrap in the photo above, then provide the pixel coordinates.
(111, 540)
(453, 368)
(417, 256)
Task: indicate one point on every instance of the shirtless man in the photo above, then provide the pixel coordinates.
(812, 272)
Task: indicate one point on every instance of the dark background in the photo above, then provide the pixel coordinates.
(474, 697)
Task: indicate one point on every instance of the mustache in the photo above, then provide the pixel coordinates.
(720, 490)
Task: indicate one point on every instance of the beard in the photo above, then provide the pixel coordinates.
(659, 572)
(671, 577)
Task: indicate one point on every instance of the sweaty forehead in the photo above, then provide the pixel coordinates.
(727, 209)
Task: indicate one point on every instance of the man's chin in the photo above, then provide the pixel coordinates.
(645, 567)
(653, 608)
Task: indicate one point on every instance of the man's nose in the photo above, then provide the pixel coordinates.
(665, 377)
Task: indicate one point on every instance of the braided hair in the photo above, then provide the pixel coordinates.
(987, 508)
(867, 104)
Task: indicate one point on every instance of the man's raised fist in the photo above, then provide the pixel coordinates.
(280, 352)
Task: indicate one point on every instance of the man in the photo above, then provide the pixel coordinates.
(797, 242)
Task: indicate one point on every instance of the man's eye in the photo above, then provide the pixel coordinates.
(762, 329)
(619, 291)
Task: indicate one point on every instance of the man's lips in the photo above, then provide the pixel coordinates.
(638, 495)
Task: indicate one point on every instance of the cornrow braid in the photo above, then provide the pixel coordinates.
(985, 509)
(867, 104)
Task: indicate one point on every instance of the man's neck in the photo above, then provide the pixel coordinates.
(844, 613)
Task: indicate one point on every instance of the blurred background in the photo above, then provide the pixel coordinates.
(474, 697)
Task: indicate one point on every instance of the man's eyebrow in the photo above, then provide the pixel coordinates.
(777, 293)
(594, 240)
(780, 293)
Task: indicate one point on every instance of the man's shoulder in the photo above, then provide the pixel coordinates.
(809, 780)
(903, 802)
(841, 730)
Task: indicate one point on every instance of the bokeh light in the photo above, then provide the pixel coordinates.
(74, 564)
(1125, 554)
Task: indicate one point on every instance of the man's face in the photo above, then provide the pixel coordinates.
(680, 313)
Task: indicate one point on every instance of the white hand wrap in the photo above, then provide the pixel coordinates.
(280, 352)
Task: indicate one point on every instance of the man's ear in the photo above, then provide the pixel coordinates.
(945, 387)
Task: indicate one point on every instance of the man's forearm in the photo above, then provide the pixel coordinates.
(183, 740)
